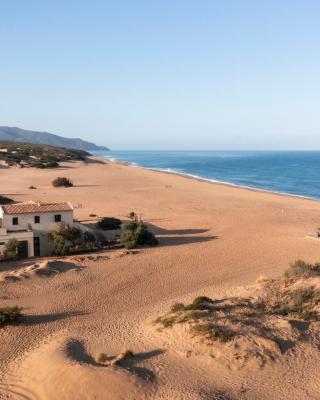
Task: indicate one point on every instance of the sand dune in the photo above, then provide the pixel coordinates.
(62, 370)
(214, 240)
(44, 268)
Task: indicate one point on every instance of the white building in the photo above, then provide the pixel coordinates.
(29, 222)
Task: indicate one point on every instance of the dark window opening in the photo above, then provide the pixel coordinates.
(57, 218)
(37, 219)
(15, 221)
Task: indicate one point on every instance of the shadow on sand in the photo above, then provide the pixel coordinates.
(46, 318)
(77, 352)
(175, 237)
(180, 240)
(84, 186)
(13, 265)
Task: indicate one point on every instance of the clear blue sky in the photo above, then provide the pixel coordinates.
(166, 74)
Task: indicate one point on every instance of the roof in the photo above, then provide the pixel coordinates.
(28, 207)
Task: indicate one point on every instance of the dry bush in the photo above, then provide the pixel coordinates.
(261, 279)
(302, 269)
(101, 358)
(62, 182)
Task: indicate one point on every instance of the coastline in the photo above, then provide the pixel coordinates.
(201, 179)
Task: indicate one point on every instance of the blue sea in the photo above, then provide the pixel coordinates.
(288, 172)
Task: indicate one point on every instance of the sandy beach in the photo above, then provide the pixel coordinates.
(214, 240)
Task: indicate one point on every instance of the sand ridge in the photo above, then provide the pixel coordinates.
(60, 368)
(44, 268)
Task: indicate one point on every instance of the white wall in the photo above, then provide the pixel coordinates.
(47, 222)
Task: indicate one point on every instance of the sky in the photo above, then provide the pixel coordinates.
(166, 74)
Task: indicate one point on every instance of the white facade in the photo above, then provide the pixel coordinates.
(32, 227)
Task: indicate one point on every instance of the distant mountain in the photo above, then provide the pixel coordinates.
(22, 135)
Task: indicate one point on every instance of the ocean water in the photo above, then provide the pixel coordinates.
(289, 172)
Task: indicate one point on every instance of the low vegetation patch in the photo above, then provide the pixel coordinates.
(136, 234)
(255, 319)
(296, 294)
(62, 182)
(302, 269)
(38, 155)
(9, 315)
(109, 223)
(212, 332)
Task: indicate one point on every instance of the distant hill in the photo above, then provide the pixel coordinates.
(22, 135)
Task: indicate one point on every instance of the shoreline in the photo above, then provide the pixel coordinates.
(201, 179)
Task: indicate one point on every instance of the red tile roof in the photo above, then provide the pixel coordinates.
(36, 207)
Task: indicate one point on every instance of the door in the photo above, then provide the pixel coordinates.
(23, 249)
(36, 246)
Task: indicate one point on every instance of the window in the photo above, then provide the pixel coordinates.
(37, 219)
(57, 218)
(15, 221)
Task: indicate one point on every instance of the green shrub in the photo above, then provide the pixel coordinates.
(70, 233)
(135, 234)
(213, 332)
(62, 182)
(60, 246)
(63, 238)
(38, 164)
(109, 223)
(9, 315)
(11, 250)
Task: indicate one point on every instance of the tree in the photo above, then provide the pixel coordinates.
(60, 246)
(70, 233)
(63, 238)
